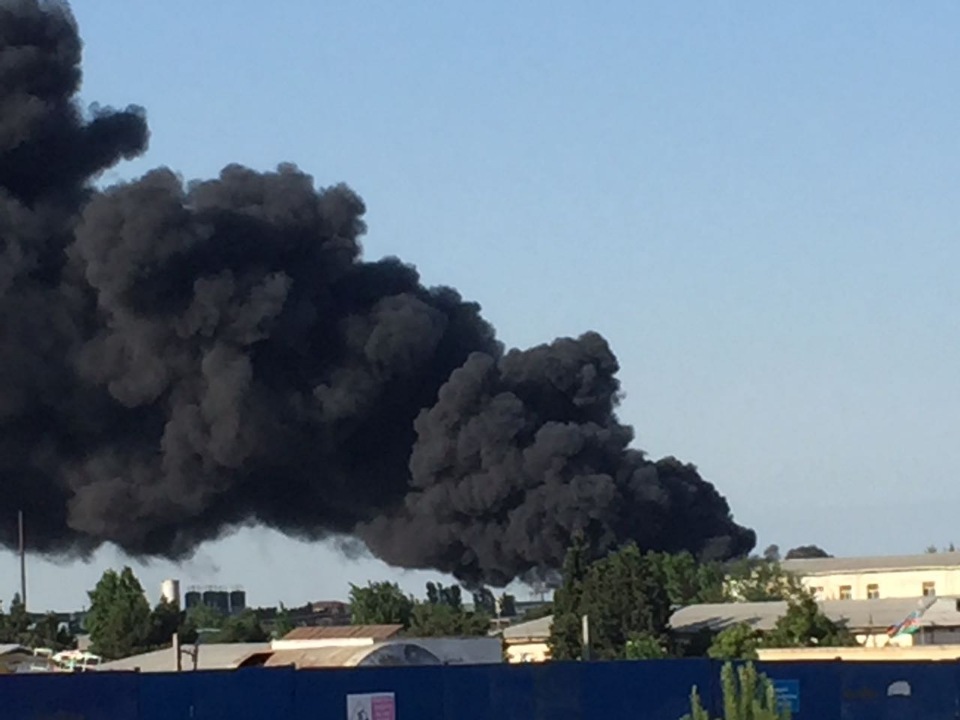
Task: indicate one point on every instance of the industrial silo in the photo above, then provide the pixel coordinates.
(238, 601)
(170, 592)
(221, 601)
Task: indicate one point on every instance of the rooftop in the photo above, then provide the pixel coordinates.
(13, 648)
(216, 656)
(342, 632)
(335, 656)
(879, 563)
(532, 630)
(875, 615)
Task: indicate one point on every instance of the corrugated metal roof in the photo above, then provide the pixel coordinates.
(538, 629)
(880, 563)
(13, 648)
(876, 615)
(318, 657)
(337, 632)
(221, 656)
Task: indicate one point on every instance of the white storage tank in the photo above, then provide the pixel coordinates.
(170, 591)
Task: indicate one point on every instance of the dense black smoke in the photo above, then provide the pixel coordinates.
(180, 359)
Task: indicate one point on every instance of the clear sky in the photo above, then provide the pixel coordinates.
(757, 203)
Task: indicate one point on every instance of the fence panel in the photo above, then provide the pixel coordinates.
(900, 691)
(249, 693)
(84, 696)
(512, 694)
(651, 689)
(418, 691)
(813, 688)
(168, 696)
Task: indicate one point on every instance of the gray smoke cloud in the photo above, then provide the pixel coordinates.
(179, 359)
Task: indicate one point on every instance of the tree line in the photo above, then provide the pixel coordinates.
(629, 596)
(441, 613)
(17, 627)
(121, 621)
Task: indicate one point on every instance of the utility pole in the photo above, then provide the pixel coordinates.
(23, 561)
(585, 640)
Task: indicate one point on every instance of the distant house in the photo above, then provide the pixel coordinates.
(336, 636)
(14, 658)
(374, 645)
(872, 578)
(215, 656)
(325, 647)
(938, 621)
(527, 641)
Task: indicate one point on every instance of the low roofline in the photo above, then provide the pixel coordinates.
(873, 564)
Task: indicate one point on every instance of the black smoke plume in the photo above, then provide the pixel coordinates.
(177, 360)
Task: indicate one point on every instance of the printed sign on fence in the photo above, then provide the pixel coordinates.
(372, 706)
(788, 693)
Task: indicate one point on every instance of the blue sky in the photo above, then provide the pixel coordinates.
(756, 203)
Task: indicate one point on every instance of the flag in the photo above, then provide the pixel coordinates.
(908, 626)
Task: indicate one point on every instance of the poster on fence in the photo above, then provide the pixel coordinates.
(372, 706)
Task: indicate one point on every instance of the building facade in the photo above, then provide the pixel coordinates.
(874, 623)
(527, 641)
(874, 578)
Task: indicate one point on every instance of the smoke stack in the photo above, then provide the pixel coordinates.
(181, 359)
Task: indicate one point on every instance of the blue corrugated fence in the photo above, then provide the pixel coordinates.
(648, 690)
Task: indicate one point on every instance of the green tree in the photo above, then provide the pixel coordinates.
(538, 612)
(807, 551)
(565, 632)
(15, 625)
(643, 646)
(757, 580)
(485, 601)
(241, 628)
(381, 603)
(119, 615)
(47, 632)
(165, 620)
(442, 620)
(689, 582)
(508, 605)
(283, 624)
(444, 595)
(747, 695)
(624, 596)
(206, 617)
(737, 642)
(805, 625)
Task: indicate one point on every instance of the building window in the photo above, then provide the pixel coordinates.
(818, 592)
(929, 589)
(846, 592)
(873, 592)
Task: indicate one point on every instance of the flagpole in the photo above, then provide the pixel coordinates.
(23, 560)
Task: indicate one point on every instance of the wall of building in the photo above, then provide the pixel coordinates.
(889, 583)
(653, 690)
(891, 653)
(461, 651)
(881, 640)
(529, 652)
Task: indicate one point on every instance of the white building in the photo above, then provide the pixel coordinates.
(867, 620)
(872, 578)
